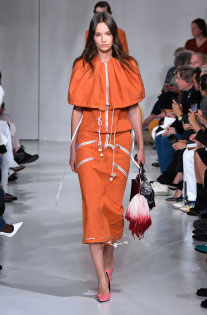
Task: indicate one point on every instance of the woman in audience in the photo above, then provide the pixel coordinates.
(199, 42)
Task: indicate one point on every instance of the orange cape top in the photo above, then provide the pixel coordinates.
(88, 89)
(122, 37)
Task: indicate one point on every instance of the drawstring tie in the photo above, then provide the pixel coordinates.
(112, 146)
(99, 134)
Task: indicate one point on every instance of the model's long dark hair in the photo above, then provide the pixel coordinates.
(90, 51)
(202, 25)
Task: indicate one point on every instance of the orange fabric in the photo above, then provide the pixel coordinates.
(102, 199)
(122, 37)
(120, 120)
(88, 89)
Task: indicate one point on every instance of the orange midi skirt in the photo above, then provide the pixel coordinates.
(102, 208)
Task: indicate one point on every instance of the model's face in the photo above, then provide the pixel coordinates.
(103, 38)
(196, 31)
(182, 84)
(196, 61)
(100, 10)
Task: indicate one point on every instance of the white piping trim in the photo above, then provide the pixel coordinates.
(123, 149)
(84, 161)
(121, 169)
(85, 143)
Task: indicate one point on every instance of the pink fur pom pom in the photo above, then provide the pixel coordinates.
(138, 215)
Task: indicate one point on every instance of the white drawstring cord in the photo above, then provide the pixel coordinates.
(115, 245)
(112, 146)
(112, 170)
(99, 133)
(61, 183)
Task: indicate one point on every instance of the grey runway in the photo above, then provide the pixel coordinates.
(47, 270)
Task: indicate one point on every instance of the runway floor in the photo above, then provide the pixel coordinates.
(47, 270)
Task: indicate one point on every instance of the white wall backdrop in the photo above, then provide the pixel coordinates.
(19, 63)
(154, 28)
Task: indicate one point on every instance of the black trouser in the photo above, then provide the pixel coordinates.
(175, 167)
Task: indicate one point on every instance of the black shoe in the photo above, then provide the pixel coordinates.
(22, 157)
(202, 292)
(200, 225)
(29, 158)
(193, 212)
(12, 177)
(204, 303)
(9, 198)
(199, 232)
(156, 164)
(200, 238)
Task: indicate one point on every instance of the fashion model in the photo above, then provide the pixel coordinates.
(105, 88)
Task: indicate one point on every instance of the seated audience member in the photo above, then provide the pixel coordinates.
(198, 72)
(198, 60)
(200, 155)
(171, 162)
(199, 42)
(21, 157)
(4, 166)
(188, 96)
(170, 90)
(103, 6)
(8, 230)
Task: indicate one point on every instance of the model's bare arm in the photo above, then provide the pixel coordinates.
(75, 119)
(136, 122)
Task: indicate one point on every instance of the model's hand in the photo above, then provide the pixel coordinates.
(72, 161)
(140, 157)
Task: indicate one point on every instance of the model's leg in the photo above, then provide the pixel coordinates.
(108, 254)
(98, 260)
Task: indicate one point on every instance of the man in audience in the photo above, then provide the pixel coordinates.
(198, 60)
(170, 90)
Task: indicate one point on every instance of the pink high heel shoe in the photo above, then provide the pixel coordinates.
(104, 297)
(109, 273)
